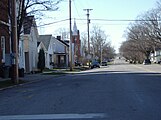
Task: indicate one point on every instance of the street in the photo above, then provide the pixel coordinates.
(116, 92)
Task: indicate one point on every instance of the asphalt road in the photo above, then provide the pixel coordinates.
(117, 92)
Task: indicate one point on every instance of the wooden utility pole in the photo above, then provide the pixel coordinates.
(88, 21)
(70, 30)
(14, 75)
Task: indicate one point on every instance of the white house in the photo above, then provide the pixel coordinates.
(29, 42)
(40, 46)
(156, 56)
(49, 54)
(61, 52)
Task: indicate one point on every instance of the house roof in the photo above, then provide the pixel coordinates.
(38, 43)
(62, 42)
(75, 30)
(45, 39)
(41, 45)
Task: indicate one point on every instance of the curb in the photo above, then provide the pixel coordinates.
(146, 69)
(27, 82)
(34, 81)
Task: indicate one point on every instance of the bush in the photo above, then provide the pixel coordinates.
(41, 60)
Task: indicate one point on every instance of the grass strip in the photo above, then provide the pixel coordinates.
(8, 83)
(55, 73)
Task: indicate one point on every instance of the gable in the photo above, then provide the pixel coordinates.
(45, 39)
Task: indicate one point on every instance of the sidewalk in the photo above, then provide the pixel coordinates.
(27, 79)
(31, 77)
(40, 76)
(35, 77)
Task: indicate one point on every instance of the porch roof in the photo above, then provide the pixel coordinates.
(60, 53)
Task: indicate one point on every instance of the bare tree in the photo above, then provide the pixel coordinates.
(130, 51)
(108, 52)
(38, 8)
(98, 39)
(63, 32)
(101, 47)
(33, 7)
(144, 35)
(84, 43)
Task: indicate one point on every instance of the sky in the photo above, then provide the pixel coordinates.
(102, 9)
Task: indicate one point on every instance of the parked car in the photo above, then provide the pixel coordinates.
(95, 64)
(104, 63)
(146, 62)
(159, 62)
(78, 64)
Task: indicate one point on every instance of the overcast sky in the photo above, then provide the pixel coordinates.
(102, 9)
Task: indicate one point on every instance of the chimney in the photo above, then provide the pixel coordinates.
(59, 37)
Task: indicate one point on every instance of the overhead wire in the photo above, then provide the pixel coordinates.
(53, 23)
(105, 20)
(77, 10)
(120, 20)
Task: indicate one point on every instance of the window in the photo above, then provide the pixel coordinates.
(62, 59)
(3, 48)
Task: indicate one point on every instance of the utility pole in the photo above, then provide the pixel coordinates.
(101, 55)
(88, 21)
(70, 30)
(14, 56)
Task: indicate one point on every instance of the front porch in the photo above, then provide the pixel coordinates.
(61, 60)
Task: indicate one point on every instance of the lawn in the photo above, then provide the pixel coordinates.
(64, 71)
(7, 83)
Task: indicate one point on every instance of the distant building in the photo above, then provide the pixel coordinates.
(76, 43)
(156, 56)
(61, 52)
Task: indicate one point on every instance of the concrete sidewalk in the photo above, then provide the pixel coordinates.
(40, 76)
(29, 78)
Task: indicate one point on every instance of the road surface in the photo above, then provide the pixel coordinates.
(116, 92)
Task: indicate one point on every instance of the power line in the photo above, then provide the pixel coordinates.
(53, 22)
(77, 10)
(120, 20)
(105, 20)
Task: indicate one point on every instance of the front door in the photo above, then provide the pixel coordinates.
(27, 67)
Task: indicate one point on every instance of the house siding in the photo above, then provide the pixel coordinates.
(61, 53)
(156, 56)
(30, 39)
(50, 53)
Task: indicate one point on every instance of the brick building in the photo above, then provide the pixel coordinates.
(77, 43)
(4, 32)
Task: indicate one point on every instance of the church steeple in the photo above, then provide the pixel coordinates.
(75, 31)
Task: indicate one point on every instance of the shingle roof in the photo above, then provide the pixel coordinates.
(62, 41)
(38, 43)
(45, 39)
